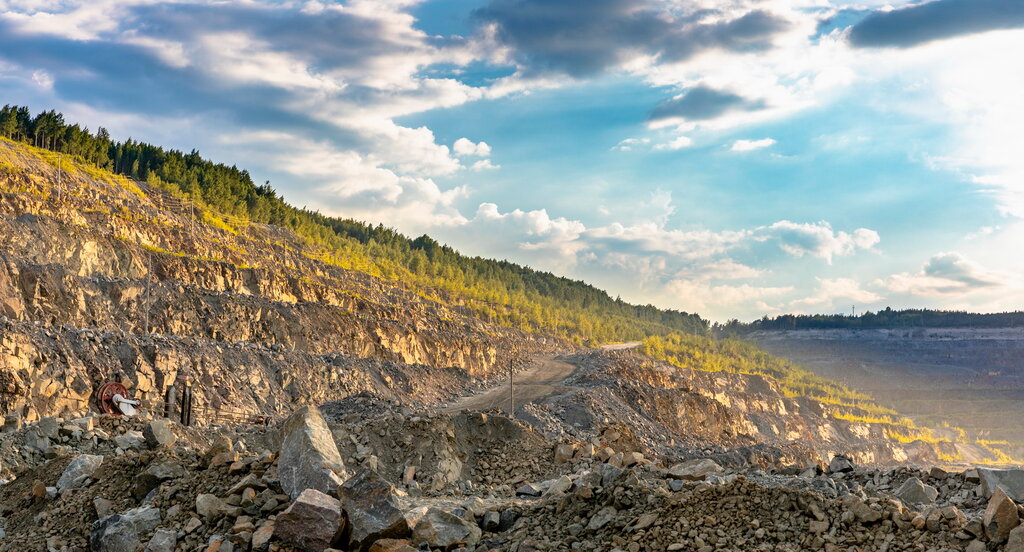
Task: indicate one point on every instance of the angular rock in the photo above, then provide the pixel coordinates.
(508, 519)
(564, 453)
(209, 506)
(392, 545)
(603, 517)
(840, 464)
(1000, 516)
(80, 469)
(159, 433)
(262, 535)
(372, 509)
(491, 521)
(121, 532)
(1015, 541)
(153, 476)
(695, 470)
(309, 457)
(558, 487)
(529, 489)
(913, 491)
(1012, 481)
(162, 541)
(441, 529)
(310, 523)
(130, 439)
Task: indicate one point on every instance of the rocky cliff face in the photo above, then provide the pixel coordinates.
(111, 282)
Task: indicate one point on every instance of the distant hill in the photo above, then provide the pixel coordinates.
(883, 319)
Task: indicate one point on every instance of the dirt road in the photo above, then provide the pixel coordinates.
(539, 381)
(621, 346)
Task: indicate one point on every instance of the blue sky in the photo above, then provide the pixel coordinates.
(731, 157)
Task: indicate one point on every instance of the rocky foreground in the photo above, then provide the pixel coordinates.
(370, 474)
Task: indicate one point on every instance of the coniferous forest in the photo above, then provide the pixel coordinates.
(537, 300)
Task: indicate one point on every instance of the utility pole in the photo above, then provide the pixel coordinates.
(149, 293)
(511, 392)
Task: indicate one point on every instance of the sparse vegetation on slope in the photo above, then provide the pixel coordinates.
(737, 356)
(505, 292)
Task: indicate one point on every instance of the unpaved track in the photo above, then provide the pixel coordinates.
(539, 381)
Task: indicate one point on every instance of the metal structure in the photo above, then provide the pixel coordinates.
(112, 398)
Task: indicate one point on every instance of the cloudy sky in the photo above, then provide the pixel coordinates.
(731, 157)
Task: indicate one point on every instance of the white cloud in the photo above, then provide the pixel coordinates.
(697, 296)
(947, 274)
(677, 143)
(484, 165)
(465, 147)
(817, 239)
(750, 145)
(832, 289)
(629, 143)
(42, 79)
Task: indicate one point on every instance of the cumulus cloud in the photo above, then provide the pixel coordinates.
(817, 239)
(935, 20)
(750, 145)
(483, 165)
(947, 274)
(465, 147)
(558, 36)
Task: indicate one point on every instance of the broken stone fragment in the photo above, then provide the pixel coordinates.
(153, 476)
(441, 529)
(695, 470)
(309, 457)
(840, 464)
(564, 452)
(372, 508)
(209, 506)
(603, 517)
(159, 433)
(913, 491)
(80, 469)
(163, 540)
(121, 532)
(1000, 516)
(311, 523)
(1012, 482)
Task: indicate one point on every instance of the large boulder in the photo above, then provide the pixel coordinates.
(373, 509)
(1000, 516)
(309, 457)
(310, 523)
(441, 529)
(121, 532)
(695, 470)
(913, 491)
(80, 469)
(1012, 481)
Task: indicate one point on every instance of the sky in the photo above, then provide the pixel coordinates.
(735, 158)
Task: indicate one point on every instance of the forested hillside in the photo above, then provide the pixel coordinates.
(502, 291)
(884, 319)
